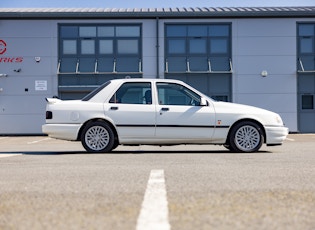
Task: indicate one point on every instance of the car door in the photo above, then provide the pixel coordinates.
(132, 112)
(180, 115)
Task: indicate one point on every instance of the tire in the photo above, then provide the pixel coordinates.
(98, 137)
(246, 137)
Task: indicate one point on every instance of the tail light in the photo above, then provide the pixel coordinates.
(49, 115)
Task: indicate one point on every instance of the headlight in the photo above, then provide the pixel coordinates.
(279, 120)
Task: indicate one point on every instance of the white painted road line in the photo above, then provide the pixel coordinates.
(154, 210)
(34, 142)
(289, 139)
(9, 154)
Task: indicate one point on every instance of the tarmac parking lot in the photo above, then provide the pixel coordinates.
(53, 184)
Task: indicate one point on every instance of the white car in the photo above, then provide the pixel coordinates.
(159, 112)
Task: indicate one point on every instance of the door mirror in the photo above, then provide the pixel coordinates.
(203, 102)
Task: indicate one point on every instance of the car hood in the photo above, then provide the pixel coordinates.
(224, 110)
(239, 108)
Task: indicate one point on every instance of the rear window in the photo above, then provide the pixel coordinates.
(95, 91)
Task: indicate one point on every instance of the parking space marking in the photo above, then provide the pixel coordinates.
(289, 139)
(34, 142)
(154, 209)
(2, 155)
(1, 138)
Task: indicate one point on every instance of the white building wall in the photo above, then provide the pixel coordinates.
(22, 105)
(266, 45)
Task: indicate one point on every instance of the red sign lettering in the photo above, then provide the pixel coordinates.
(3, 47)
(11, 59)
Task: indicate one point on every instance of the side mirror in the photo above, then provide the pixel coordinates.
(203, 102)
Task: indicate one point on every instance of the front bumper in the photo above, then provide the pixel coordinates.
(275, 135)
(62, 131)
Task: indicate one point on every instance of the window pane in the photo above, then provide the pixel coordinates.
(87, 31)
(173, 94)
(128, 31)
(308, 63)
(106, 31)
(175, 31)
(87, 47)
(306, 30)
(198, 63)
(132, 93)
(87, 65)
(218, 46)
(106, 46)
(68, 31)
(306, 45)
(197, 31)
(176, 64)
(69, 47)
(176, 46)
(307, 102)
(127, 46)
(219, 30)
(127, 64)
(68, 65)
(197, 46)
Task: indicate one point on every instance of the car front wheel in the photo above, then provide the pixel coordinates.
(97, 137)
(246, 136)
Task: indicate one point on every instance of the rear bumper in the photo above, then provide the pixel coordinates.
(62, 131)
(275, 135)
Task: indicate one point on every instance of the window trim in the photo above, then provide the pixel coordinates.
(97, 54)
(208, 55)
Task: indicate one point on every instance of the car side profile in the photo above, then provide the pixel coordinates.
(159, 112)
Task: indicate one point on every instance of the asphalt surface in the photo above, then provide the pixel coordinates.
(53, 184)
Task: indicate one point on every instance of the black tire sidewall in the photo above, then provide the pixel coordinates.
(110, 144)
(233, 145)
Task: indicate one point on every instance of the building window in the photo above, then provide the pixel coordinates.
(198, 48)
(87, 47)
(100, 49)
(91, 54)
(69, 47)
(306, 47)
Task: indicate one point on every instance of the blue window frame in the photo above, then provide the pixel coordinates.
(91, 54)
(306, 47)
(198, 48)
(86, 42)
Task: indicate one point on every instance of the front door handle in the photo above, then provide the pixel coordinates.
(114, 108)
(165, 109)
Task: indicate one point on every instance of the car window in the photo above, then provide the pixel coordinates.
(133, 93)
(175, 94)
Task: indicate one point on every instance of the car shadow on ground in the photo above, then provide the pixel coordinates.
(127, 152)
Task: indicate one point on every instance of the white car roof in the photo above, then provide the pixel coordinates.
(146, 79)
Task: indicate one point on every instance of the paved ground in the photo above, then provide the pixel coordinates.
(53, 184)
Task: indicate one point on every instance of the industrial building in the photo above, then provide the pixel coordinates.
(260, 56)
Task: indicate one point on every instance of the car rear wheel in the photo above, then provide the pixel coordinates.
(97, 137)
(246, 136)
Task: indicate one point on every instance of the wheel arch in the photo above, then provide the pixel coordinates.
(245, 120)
(102, 120)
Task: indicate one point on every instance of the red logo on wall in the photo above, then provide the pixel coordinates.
(3, 59)
(3, 47)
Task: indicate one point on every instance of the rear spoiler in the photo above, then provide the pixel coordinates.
(52, 100)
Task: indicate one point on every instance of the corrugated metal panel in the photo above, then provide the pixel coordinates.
(158, 12)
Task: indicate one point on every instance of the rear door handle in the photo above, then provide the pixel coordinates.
(114, 108)
(165, 109)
